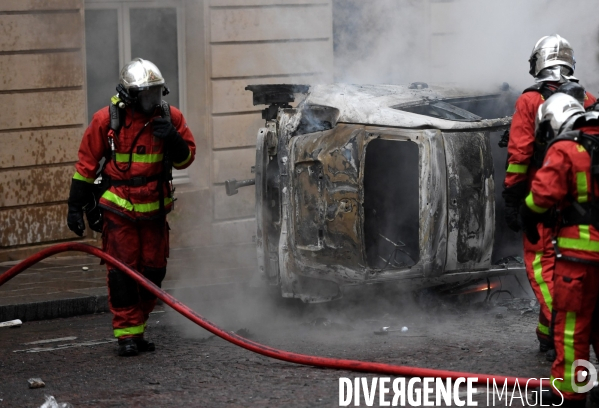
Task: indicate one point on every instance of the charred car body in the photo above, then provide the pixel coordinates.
(372, 184)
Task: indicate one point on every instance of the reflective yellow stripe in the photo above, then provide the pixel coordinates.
(578, 243)
(78, 176)
(130, 331)
(544, 329)
(517, 168)
(184, 162)
(537, 267)
(583, 231)
(566, 384)
(139, 158)
(127, 205)
(581, 187)
(530, 203)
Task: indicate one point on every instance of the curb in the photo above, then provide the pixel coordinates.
(55, 308)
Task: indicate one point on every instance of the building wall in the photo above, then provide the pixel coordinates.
(43, 102)
(43, 95)
(254, 42)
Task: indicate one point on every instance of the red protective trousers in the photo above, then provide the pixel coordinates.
(576, 323)
(539, 260)
(142, 245)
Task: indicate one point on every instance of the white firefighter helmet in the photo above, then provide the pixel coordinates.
(140, 74)
(552, 115)
(143, 83)
(550, 51)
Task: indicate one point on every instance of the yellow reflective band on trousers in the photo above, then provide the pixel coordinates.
(566, 384)
(537, 267)
(184, 162)
(584, 243)
(130, 331)
(127, 205)
(78, 176)
(517, 168)
(530, 203)
(139, 158)
(582, 187)
(543, 329)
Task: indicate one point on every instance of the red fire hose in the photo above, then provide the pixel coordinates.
(326, 362)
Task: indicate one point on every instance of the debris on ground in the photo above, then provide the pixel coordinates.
(36, 383)
(12, 323)
(52, 403)
(85, 268)
(323, 322)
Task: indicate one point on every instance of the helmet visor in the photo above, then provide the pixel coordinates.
(149, 99)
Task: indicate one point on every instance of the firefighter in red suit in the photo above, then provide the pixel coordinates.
(145, 139)
(565, 181)
(551, 64)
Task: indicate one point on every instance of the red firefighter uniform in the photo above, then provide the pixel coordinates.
(135, 230)
(565, 176)
(539, 258)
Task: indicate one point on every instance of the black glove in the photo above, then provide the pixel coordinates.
(94, 218)
(530, 223)
(176, 146)
(163, 129)
(80, 198)
(514, 197)
(75, 220)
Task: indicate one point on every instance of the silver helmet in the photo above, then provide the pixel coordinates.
(550, 51)
(552, 115)
(144, 84)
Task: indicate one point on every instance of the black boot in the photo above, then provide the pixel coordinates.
(550, 355)
(127, 347)
(144, 345)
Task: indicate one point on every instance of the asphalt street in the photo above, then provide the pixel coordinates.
(190, 368)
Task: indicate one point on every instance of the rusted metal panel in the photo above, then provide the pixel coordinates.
(25, 32)
(42, 109)
(284, 23)
(37, 147)
(471, 200)
(235, 130)
(33, 225)
(326, 192)
(242, 207)
(35, 186)
(287, 58)
(38, 71)
(233, 163)
(35, 5)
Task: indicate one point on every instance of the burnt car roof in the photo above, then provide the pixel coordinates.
(402, 105)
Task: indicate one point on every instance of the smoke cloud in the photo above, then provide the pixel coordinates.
(476, 42)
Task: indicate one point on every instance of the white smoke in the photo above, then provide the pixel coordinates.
(477, 42)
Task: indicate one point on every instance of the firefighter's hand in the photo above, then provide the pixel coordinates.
(163, 129)
(94, 219)
(512, 218)
(75, 220)
(530, 223)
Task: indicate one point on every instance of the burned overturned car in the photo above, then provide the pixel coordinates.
(376, 184)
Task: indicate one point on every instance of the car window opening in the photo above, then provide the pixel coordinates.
(391, 204)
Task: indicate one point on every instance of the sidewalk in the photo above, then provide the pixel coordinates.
(64, 286)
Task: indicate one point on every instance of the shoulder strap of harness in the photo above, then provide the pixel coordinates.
(543, 88)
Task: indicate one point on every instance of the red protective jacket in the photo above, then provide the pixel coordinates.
(520, 147)
(565, 175)
(133, 202)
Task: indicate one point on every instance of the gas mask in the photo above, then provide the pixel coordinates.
(148, 99)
